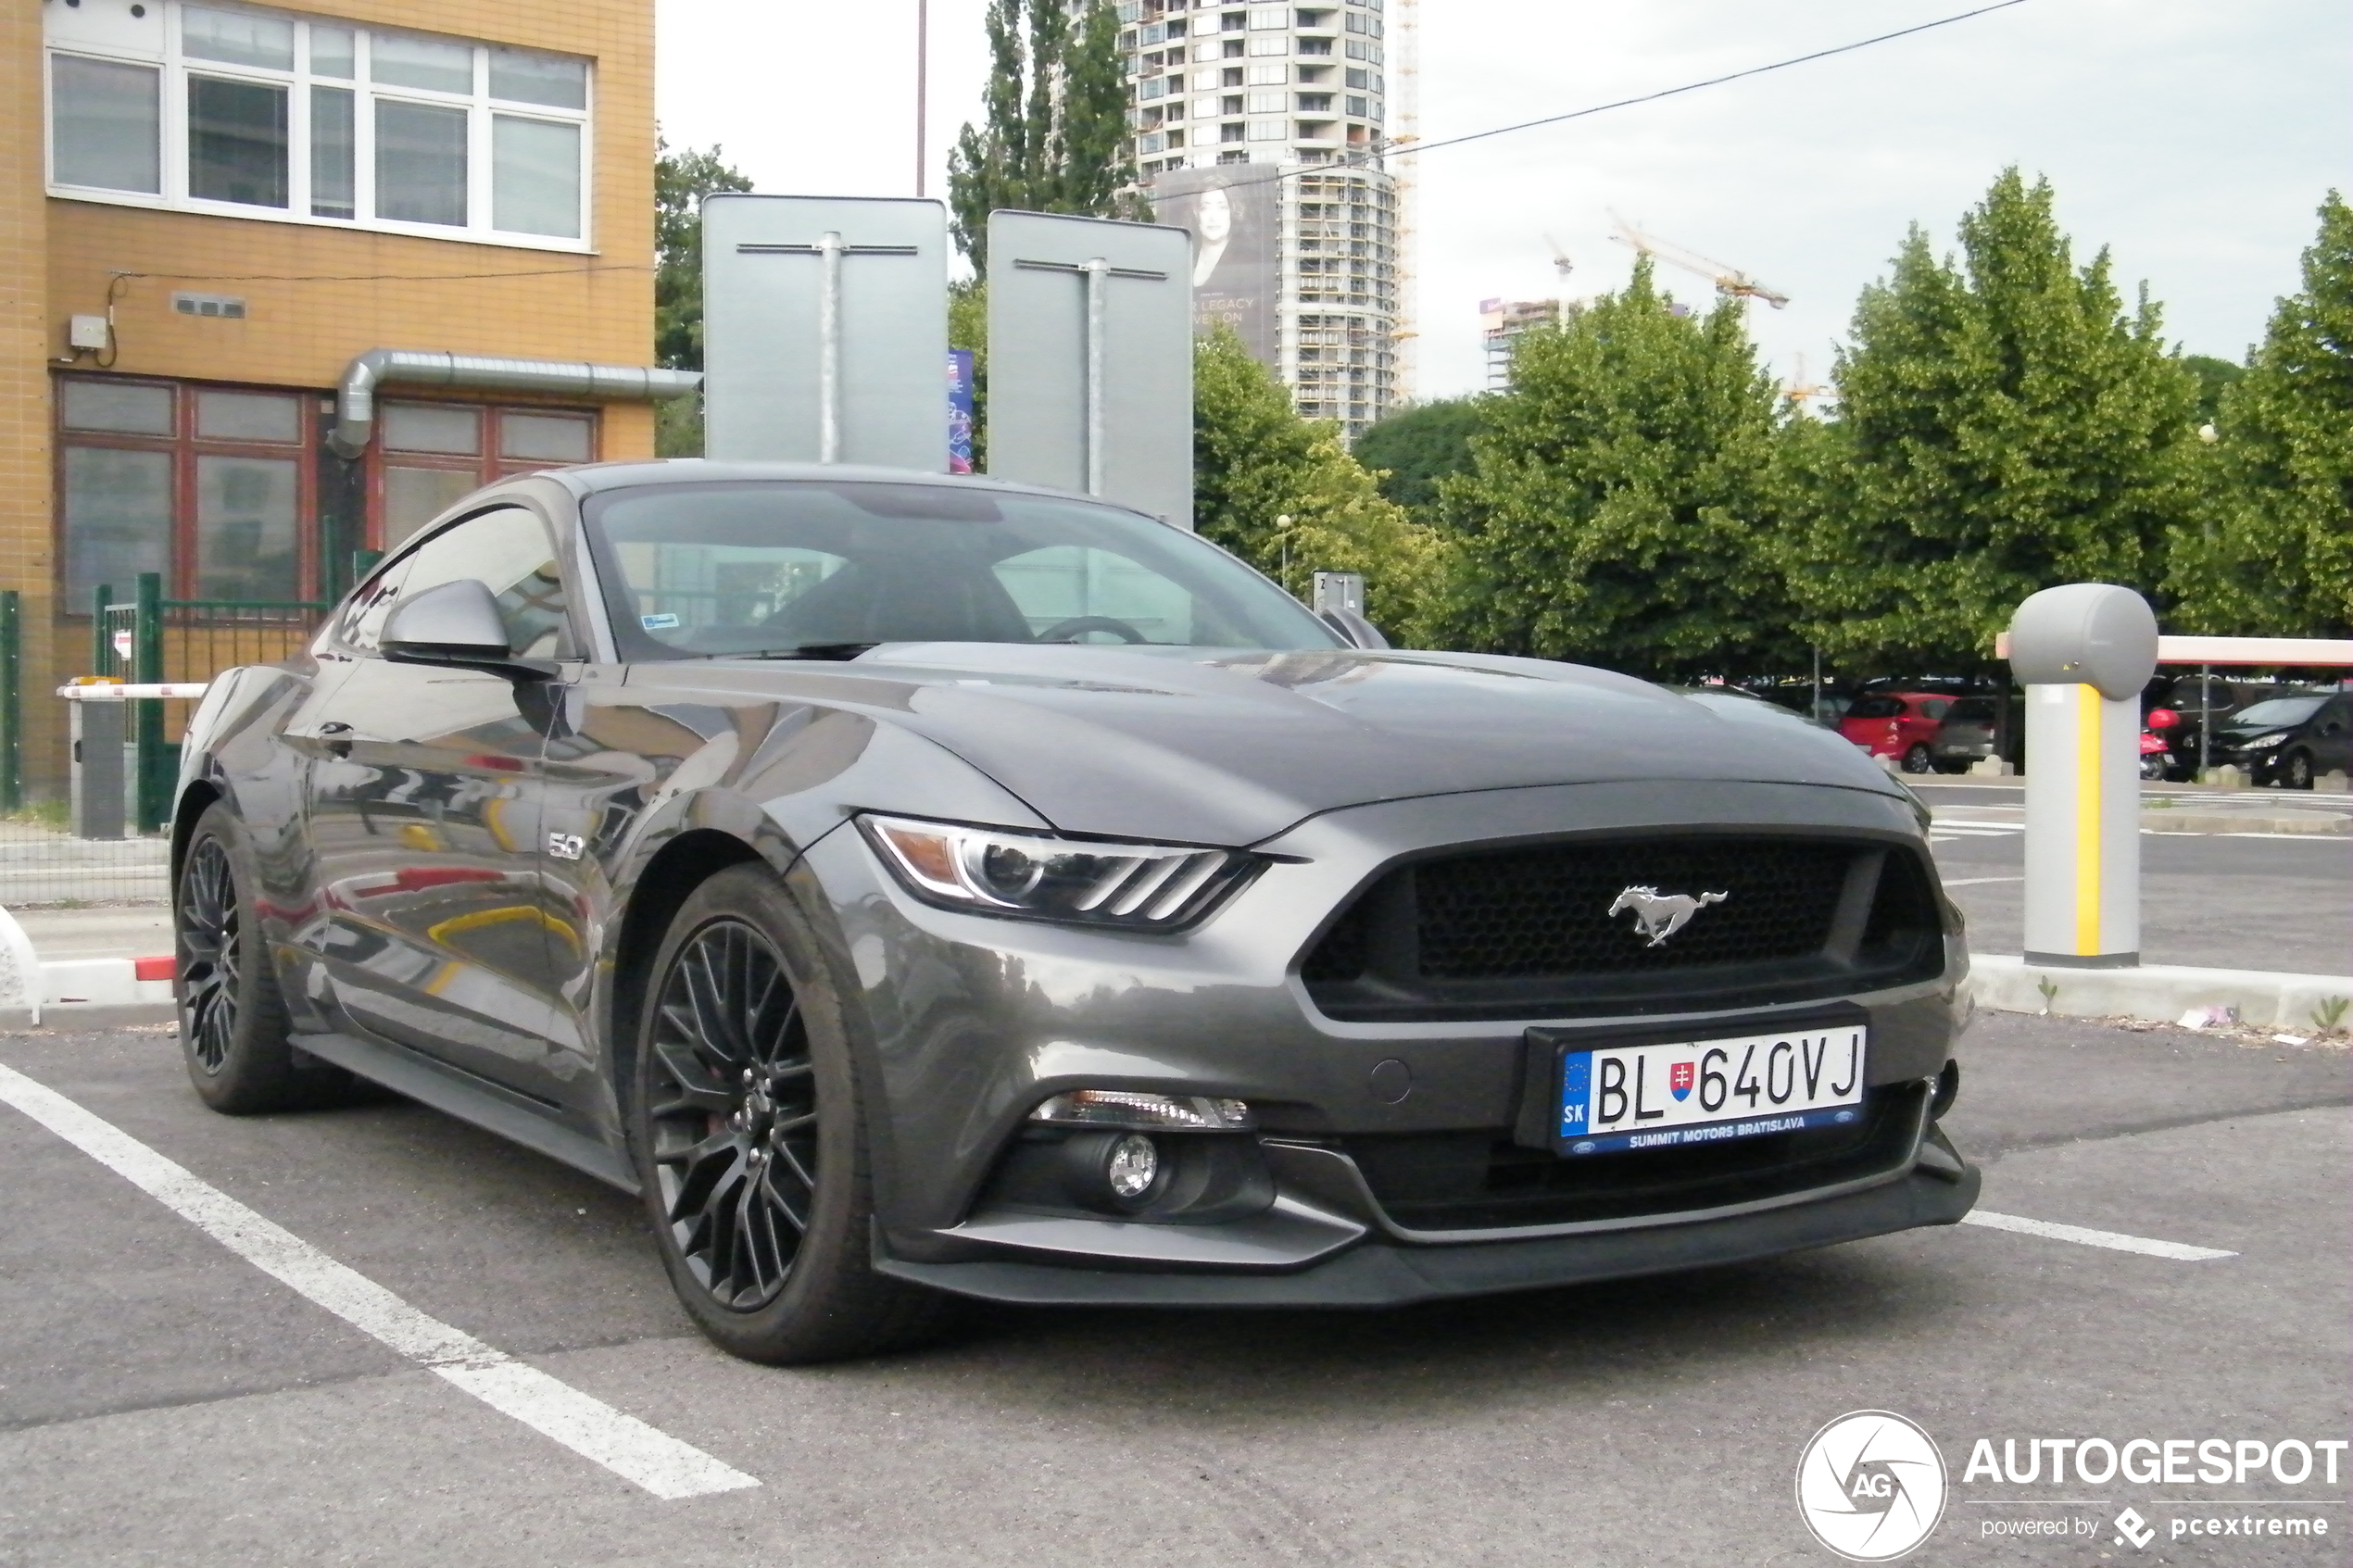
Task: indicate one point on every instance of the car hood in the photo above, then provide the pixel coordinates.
(1218, 747)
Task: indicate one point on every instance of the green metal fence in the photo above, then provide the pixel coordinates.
(153, 639)
(11, 701)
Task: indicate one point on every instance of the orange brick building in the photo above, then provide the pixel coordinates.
(279, 284)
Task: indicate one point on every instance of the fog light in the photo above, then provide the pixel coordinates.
(1129, 1107)
(1132, 1169)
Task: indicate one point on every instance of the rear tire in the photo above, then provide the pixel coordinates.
(232, 1017)
(1916, 759)
(748, 1132)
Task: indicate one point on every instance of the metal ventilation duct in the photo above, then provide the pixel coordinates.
(356, 395)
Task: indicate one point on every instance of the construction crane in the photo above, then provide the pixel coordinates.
(1561, 263)
(1799, 389)
(1728, 280)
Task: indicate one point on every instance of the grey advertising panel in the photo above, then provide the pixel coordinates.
(826, 330)
(1090, 359)
(1234, 219)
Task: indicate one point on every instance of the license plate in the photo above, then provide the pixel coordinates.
(1702, 1091)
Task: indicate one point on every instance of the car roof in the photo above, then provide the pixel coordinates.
(589, 479)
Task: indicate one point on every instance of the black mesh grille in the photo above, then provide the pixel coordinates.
(1478, 1181)
(1546, 912)
(1529, 930)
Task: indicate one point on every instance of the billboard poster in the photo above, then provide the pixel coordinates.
(1235, 217)
(960, 410)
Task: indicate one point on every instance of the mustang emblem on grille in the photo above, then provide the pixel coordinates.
(1660, 915)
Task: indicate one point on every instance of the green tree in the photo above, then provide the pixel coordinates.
(2004, 425)
(2213, 377)
(1411, 450)
(681, 180)
(1054, 131)
(1620, 508)
(1256, 463)
(2273, 556)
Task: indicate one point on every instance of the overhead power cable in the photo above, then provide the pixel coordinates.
(1416, 148)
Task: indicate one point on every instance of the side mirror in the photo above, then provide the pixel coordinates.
(1353, 628)
(454, 623)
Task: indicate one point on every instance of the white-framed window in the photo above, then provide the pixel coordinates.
(1268, 17)
(1267, 103)
(1267, 130)
(1269, 76)
(1272, 44)
(247, 113)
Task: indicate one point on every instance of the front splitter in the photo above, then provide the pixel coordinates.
(1384, 1274)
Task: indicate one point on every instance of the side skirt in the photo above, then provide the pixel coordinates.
(470, 1099)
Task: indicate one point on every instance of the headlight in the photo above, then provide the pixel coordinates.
(2262, 743)
(1082, 881)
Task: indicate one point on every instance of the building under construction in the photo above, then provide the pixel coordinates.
(1265, 130)
(1501, 324)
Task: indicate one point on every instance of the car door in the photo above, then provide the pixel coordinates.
(424, 822)
(2333, 736)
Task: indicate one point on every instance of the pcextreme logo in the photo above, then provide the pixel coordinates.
(1871, 1486)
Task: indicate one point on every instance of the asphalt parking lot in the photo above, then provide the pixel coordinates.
(164, 1400)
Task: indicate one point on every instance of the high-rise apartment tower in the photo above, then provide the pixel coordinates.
(1263, 130)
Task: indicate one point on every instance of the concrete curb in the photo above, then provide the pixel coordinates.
(83, 1017)
(2230, 822)
(2161, 993)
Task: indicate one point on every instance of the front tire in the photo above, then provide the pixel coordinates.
(232, 1017)
(750, 1137)
(2298, 773)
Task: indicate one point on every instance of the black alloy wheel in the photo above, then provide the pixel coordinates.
(1916, 759)
(747, 1127)
(731, 1099)
(211, 938)
(232, 1016)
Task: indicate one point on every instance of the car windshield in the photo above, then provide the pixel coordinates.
(822, 566)
(1877, 708)
(2276, 713)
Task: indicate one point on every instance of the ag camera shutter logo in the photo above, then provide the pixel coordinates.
(1871, 1486)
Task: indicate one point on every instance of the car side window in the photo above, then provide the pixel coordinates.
(508, 550)
(1934, 709)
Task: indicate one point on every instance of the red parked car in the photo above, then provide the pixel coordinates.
(1898, 724)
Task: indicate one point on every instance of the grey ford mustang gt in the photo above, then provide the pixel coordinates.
(922, 888)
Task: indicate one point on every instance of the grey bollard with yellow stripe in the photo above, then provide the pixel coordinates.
(2084, 652)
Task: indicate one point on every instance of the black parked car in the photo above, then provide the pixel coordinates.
(2288, 740)
(2223, 695)
(918, 887)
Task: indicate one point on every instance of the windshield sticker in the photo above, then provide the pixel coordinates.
(658, 623)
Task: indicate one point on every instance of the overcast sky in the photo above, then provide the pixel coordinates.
(2193, 137)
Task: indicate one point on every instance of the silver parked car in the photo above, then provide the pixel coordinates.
(920, 888)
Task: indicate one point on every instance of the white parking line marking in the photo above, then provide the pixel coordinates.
(1977, 881)
(588, 1427)
(2113, 1240)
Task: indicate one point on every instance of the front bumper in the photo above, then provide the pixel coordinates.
(962, 1023)
(1389, 1273)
